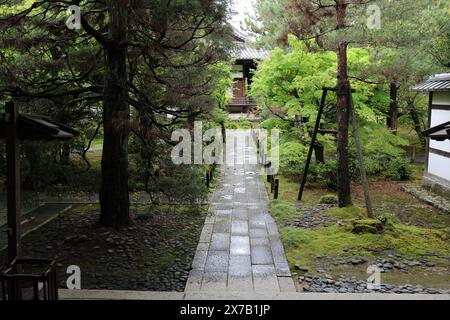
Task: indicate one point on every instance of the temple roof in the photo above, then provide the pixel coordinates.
(438, 82)
(243, 51)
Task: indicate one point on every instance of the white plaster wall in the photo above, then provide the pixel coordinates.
(441, 97)
(439, 166)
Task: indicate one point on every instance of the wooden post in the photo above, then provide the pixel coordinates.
(12, 181)
(277, 184)
(360, 156)
(413, 154)
(207, 179)
(313, 142)
(272, 184)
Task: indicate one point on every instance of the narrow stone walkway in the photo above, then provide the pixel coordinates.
(239, 248)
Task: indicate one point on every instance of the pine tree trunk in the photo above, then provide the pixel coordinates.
(343, 175)
(114, 199)
(393, 107)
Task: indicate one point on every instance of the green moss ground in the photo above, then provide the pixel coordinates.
(417, 231)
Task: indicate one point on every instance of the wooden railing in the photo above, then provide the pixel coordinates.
(242, 101)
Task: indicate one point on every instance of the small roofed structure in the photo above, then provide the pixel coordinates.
(245, 61)
(437, 172)
(39, 128)
(15, 127)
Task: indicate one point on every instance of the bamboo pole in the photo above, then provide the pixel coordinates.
(360, 156)
(313, 142)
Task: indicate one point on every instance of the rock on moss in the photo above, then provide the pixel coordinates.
(375, 226)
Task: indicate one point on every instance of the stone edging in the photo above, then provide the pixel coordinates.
(428, 197)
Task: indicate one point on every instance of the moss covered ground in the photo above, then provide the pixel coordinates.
(413, 231)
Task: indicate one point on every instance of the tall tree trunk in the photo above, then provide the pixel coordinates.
(343, 174)
(393, 107)
(114, 199)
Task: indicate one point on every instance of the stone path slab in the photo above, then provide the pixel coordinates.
(65, 294)
(239, 248)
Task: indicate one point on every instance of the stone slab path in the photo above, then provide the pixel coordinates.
(65, 294)
(239, 248)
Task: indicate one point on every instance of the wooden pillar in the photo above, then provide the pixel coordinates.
(12, 181)
(427, 143)
(276, 186)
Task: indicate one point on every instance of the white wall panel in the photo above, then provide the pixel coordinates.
(439, 166)
(441, 97)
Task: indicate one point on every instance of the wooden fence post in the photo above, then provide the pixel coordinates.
(12, 181)
(277, 184)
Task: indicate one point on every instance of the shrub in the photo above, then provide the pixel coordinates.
(292, 157)
(398, 169)
(373, 166)
(242, 123)
(329, 199)
(326, 173)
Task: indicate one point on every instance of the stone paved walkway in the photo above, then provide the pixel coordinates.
(239, 248)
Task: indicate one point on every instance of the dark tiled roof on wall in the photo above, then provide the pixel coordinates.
(439, 82)
(241, 51)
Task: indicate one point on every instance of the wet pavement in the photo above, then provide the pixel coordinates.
(239, 249)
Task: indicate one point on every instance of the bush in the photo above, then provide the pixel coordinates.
(242, 123)
(373, 166)
(292, 157)
(329, 199)
(398, 169)
(325, 173)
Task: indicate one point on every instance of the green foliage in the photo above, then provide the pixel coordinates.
(329, 199)
(378, 140)
(399, 169)
(292, 157)
(275, 123)
(324, 173)
(242, 123)
(292, 80)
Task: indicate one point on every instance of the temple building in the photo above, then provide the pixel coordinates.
(437, 166)
(245, 62)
